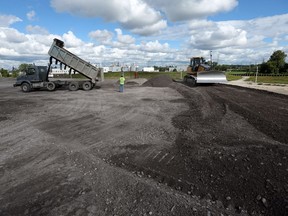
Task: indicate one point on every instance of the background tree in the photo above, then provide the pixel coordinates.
(22, 67)
(4, 72)
(277, 61)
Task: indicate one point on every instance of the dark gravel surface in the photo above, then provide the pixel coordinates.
(234, 145)
(170, 150)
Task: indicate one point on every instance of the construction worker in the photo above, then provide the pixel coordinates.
(121, 82)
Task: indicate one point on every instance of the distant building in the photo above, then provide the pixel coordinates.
(114, 69)
(148, 69)
(105, 69)
(181, 68)
(172, 68)
(58, 71)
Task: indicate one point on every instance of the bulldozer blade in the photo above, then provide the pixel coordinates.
(211, 77)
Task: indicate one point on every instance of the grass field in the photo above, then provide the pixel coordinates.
(236, 75)
(231, 77)
(270, 79)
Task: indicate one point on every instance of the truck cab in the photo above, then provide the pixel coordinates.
(33, 77)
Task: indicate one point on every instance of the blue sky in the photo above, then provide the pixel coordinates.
(143, 32)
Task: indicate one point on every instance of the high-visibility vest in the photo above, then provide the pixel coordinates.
(122, 80)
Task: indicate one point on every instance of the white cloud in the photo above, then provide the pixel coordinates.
(31, 15)
(124, 39)
(131, 14)
(102, 36)
(216, 35)
(150, 30)
(36, 30)
(71, 40)
(192, 9)
(236, 41)
(23, 48)
(7, 20)
(8, 52)
(105, 37)
(271, 26)
(155, 47)
(12, 35)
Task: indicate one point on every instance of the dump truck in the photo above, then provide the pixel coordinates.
(199, 71)
(36, 77)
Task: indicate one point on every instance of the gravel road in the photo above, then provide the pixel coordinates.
(171, 150)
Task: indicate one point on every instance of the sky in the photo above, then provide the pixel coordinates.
(143, 32)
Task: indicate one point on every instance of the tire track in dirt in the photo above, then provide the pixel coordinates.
(92, 136)
(258, 112)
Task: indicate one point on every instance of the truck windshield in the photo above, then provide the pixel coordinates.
(30, 71)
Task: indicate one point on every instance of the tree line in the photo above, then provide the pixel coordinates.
(275, 65)
(14, 72)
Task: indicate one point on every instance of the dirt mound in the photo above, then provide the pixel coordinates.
(131, 83)
(158, 81)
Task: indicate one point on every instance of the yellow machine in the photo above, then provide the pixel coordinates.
(200, 72)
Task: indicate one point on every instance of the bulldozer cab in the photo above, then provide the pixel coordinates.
(198, 64)
(196, 61)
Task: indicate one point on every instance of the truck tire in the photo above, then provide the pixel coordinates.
(25, 87)
(51, 86)
(73, 86)
(87, 86)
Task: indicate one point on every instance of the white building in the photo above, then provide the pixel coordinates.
(115, 69)
(105, 69)
(148, 69)
(58, 71)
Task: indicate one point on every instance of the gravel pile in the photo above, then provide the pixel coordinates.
(158, 81)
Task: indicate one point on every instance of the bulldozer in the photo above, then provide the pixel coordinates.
(200, 72)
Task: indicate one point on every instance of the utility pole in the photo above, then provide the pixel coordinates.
(256, 74)
(211, 58)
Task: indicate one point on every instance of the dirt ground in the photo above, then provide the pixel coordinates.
(174, 150)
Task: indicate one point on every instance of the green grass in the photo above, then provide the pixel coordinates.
(237, 72)
(270, 79)
(231, 77)
(236, 75)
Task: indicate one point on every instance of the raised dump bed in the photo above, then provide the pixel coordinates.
(58, 52)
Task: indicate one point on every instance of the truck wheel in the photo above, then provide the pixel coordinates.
(51, 86)
(26, 87)
(87, 86)
(73, 86)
